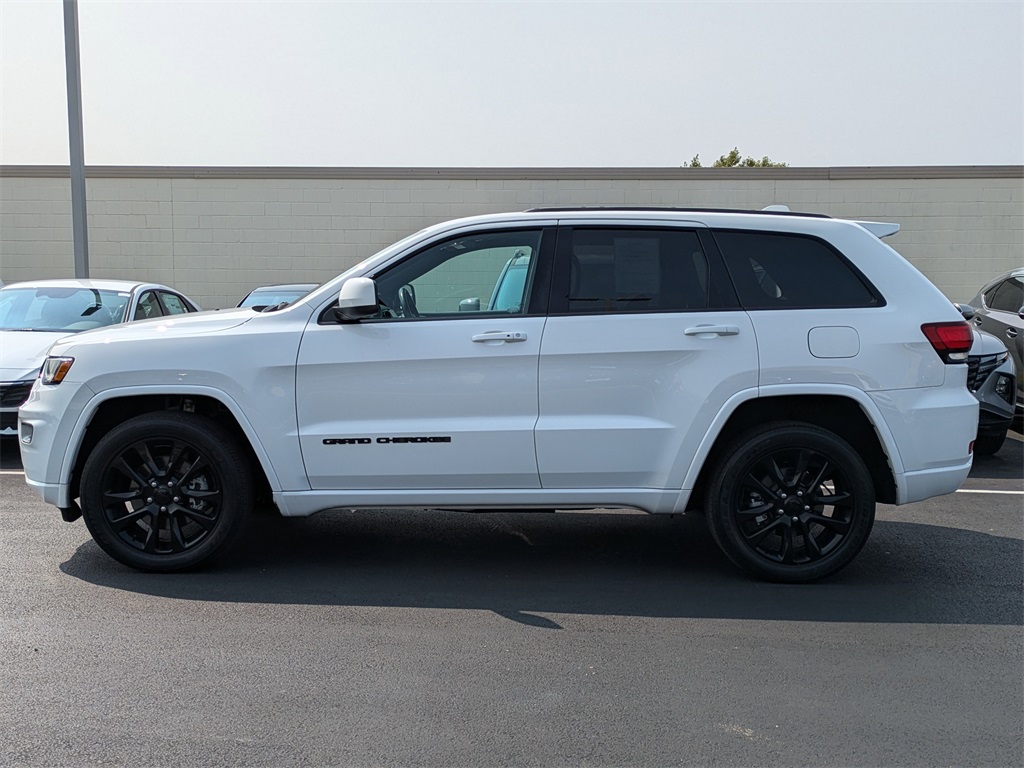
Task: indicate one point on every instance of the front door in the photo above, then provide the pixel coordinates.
(439, 389)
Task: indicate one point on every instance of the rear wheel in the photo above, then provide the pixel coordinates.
(166, 491)
(790, 502)
(989, 444)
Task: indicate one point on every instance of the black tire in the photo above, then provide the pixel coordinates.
(185, 473)
(790, 502)
(989, 444)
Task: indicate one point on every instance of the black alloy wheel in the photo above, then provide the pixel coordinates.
(791, 502)
(166, 491)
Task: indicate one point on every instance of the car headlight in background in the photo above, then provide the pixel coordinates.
(1005, 389)
(55, 369)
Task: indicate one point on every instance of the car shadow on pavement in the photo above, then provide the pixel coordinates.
(532, 567)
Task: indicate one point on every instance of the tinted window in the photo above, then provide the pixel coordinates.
(1008, 296)
(782, 271)
(487, 272)
(636, 270)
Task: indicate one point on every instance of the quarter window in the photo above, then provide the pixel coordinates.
(635, 270)
(173, 303)
(783, 271)
(1008, 296)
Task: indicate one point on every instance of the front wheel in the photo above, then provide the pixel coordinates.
(166, 491)
(790, 502)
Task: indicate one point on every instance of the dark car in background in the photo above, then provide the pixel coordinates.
(991, 378)
(999, 309)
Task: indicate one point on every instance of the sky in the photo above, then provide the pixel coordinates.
(495, 84)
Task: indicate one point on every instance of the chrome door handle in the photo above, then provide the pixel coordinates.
(1011, 332)
(715, 330)
(507, 336)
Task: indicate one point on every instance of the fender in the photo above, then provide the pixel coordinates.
(859, 396)
(78, 433)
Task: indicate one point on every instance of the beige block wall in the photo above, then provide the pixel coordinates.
(217, 233)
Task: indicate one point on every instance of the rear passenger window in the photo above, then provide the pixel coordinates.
(149, 306)
(636, 270)
(1007, 297)
(782, 271)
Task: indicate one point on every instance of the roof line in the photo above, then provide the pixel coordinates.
(834, 173)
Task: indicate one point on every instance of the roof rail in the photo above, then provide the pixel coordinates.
(585, 208)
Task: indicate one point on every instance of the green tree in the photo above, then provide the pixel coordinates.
(735, 160)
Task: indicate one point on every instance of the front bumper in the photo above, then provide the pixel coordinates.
(50, 426)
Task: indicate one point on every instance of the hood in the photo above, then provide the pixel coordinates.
(22, 352)
(986, 344)
(172, 325)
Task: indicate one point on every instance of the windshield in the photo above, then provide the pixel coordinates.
(269, 297)
(56, 309)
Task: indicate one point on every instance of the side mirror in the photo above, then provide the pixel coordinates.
(966, 310)
(469, 305)
(356, 300)
(1020, 313)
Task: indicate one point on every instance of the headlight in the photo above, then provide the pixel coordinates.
(55, 369)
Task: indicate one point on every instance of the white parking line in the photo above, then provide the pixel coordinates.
(1008, 493)
(11, 472)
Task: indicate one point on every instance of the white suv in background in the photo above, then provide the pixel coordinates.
(779, 372)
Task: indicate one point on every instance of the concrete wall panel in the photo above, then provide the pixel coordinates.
(217, 233)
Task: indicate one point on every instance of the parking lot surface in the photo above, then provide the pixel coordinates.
(444, 639)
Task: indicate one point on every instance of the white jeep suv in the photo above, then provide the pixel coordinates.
(779, 372)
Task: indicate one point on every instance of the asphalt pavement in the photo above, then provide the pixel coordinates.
(579, 639)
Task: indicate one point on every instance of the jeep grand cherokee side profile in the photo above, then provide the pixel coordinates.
(780, 372)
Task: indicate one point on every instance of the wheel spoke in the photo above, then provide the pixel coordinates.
(816, 483)
(205, 495)
(842, 527)
(123, 496)
(198, 464)
(121, 523)
(803, 458)
(148, 460)
(749, 512)
(206, 523)
(755, 538)
(761, 488)
(178, 543)
(786, 548)
(832, 500)
(810, 543)
(152, 536)
(127, 469)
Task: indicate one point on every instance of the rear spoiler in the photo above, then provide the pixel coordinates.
(879, 228)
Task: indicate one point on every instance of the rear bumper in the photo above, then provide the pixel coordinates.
(933, 429)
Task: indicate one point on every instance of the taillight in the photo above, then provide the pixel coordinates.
(951, 340)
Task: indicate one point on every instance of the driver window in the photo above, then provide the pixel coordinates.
(471, 275)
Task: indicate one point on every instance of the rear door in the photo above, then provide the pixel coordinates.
(644, 345)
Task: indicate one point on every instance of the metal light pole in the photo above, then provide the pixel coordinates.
(71, 60)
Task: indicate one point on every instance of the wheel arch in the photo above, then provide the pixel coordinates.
(850, 417)
(113, 407)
